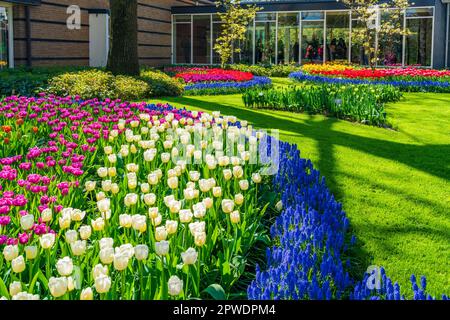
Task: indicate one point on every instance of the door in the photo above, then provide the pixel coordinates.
(98, 39)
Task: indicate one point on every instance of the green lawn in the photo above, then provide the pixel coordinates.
(394, 185)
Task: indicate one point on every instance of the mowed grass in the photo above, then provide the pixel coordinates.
(394, 185)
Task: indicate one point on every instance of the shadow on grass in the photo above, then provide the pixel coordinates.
(428, 158)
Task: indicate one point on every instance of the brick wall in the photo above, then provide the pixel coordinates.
(53, 44)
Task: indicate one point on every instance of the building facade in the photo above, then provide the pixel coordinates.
(36, 33)
(315, 31)
(54, 32)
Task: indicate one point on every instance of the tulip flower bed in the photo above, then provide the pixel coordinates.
(96, 208)
(215, 81)
(406, 79)
(217, 88)
(362, 103)
(118, 200)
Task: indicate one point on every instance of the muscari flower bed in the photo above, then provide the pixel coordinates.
(92, 206)
(408, 80)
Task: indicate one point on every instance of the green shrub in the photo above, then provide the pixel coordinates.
(161, 84)
(28, 81)
(99, 84)
(128, 88)
(361, 103)
(86, 84)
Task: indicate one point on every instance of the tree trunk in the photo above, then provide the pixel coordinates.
(123, 53)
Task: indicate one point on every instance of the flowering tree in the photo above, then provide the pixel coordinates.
(372, 27)
(235, 20)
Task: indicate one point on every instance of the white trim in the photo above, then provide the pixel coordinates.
(10, 14)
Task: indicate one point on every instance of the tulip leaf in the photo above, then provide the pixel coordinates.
(33, 283)
(43, 279)
(216, 292)
(3, 289)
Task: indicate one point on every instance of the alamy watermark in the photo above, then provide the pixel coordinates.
(73, 22)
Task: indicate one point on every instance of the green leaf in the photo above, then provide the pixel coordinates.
(3, 289)
(33, 283)
(43, 279)
(216, 292)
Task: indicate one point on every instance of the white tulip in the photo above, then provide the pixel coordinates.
(102, 284)
(238, 199)
(153, 179)
(189, 256)
(78, 247)
(208, 202)
(199, 210)
(27, 222)
(64, 266)
(18, 264)
(243, 184)
(120, 261)
(71, 236)
(78, 215)
(227, 174)
(85, 232)
(194, 175)
(153, 212)
(98, 224)
(57, 286)
(279, 205)
(157, 220)
(106, 243)
(238, 172)
(162, 248)
(175, 285)
(87, 294)
(108, 150)
(47, 240)
(112, 172)
(141, 252)
(196, 227)
(99, 270)
(130, 199)
(172, 182)
(217, 192)
(200, 239)
(150, 199)
(106, 255)
(185, 216)
(10, 252)
(31, 252)
(139, 223)
(14, 288)
(115, 188)
(102, 172)
(90, 185)
(227, 205)
(160, 233)
(125, 220)
(256, 178)
(235, 217)
(171, 226)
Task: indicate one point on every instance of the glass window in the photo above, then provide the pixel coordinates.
(202, 39)
(419, 12)
(358, 54)
(265, 42)
(182, 42)
(4, 38)
(391, 47)
(288, 38)
(418, 42)
(245, 55)
(338, 34)
(312, 42)
(318, 15)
